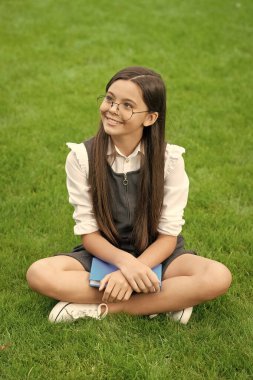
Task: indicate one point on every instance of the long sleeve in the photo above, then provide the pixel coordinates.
(79, 190)
(176, 190)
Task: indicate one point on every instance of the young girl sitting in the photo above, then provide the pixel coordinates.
(129, 189)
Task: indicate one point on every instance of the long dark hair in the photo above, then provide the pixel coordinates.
(150, 194)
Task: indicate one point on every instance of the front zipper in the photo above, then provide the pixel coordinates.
(125, 180)
(125, 183)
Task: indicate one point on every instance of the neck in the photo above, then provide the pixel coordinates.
(126, 145)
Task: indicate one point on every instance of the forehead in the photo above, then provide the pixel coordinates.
(126, 89)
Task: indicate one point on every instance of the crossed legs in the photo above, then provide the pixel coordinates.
(189, 280)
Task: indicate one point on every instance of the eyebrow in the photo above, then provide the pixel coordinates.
(126, 99)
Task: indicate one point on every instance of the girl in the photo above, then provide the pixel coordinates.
(129, 190)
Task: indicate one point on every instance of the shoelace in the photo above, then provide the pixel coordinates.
(92, 312)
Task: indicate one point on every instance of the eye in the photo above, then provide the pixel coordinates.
(108, 98)
(127, 106)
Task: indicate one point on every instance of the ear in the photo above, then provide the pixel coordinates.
(150, 119)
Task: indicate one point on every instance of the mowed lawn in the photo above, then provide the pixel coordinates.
(55, 59)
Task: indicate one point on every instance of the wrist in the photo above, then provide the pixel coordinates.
(124, 258)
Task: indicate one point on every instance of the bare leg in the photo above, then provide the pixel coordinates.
(62, 278)
(188, 281)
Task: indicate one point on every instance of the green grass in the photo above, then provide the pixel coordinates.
(56, 57)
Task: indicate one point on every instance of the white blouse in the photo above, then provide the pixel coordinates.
(176, 186)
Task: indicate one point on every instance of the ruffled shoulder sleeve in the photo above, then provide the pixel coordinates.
(80, 154)
(173, 154)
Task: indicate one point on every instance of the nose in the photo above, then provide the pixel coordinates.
(114, 107)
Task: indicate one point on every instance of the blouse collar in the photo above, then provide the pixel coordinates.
(112, 148)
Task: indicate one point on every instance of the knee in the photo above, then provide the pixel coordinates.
(217, 280)
(223, 278)
(38, 275)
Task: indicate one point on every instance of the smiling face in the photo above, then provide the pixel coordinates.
(128, 94)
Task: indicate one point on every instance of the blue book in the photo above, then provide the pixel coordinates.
(100, 268)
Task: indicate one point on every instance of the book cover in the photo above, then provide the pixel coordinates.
(100, 268)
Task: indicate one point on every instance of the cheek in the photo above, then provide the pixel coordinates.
(134, 124)
(103, 108)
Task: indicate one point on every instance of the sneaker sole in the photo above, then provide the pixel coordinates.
(185, 316)
(56, 311)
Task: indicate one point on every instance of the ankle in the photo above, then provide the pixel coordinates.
(117, 307)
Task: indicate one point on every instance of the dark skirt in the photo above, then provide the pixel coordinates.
(85, 258)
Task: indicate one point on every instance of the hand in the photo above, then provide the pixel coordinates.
(140, 277)
(116, 287)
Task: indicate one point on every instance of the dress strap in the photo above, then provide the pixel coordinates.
(88, 145)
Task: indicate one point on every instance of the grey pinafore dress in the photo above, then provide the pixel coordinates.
(123, 189)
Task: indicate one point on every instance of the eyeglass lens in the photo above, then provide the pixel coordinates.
(125, 110)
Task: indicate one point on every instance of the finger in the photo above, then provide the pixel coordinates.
(114, 294)
(134, 285)
(151, 289)
(103, 282)
(155, 281)
(143, 288)
(131, 281)
(121, 295)
(128, 295)
(107, 292)
(146, 280)
(147, 283)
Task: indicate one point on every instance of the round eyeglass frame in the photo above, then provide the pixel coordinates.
(102, 98)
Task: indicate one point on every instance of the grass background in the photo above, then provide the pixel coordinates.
(56, 57)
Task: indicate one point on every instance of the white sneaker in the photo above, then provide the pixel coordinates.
(181, 316)
(151, 316)
(69, 312)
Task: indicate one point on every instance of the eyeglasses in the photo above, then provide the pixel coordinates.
(125, 109)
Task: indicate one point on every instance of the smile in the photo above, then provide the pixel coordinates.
(113, 121)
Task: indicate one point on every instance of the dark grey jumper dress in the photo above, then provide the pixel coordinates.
(124, 188)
